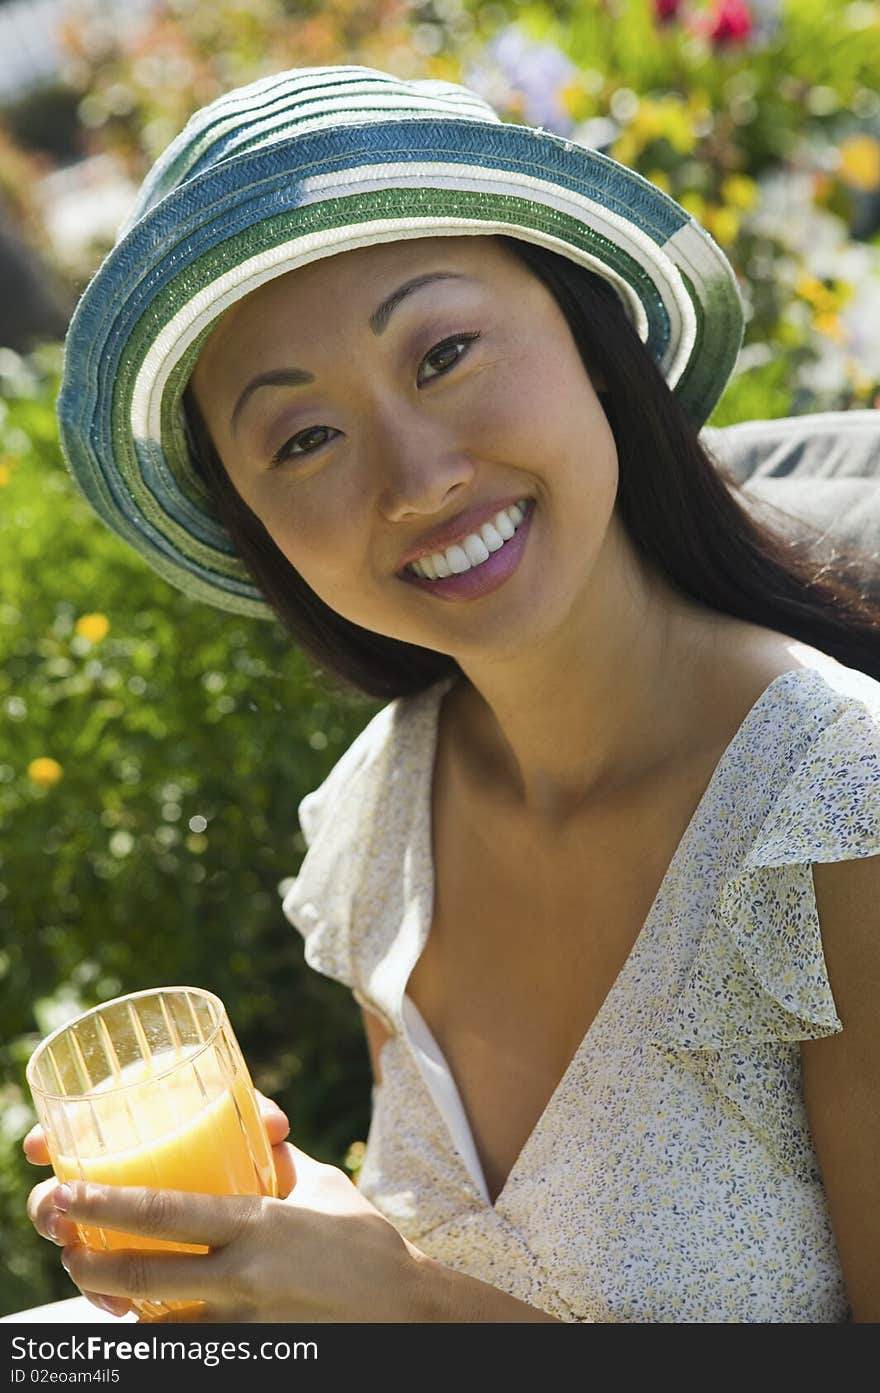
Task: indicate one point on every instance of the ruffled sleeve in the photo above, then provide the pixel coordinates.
(363, 895)
(320, 901)
(758, 983)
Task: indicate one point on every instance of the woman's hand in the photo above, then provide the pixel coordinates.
(322, 1254)
(52, 1223)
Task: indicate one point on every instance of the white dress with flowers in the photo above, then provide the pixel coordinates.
(672, 1175)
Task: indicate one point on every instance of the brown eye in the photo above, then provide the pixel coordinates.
(445, 355)
(290, 450)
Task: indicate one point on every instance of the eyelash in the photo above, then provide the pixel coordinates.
(283, 453)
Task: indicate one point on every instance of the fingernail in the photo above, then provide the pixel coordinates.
(65, 1261)
(107, 1304)
(52, 1222)
(61, 1197)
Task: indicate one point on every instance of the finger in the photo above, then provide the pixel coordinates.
(113, 1305)
(285, 1169)
(128, 1274)
(35, 1148)
(274, 1119)
(47, 1219)
(180, 1216)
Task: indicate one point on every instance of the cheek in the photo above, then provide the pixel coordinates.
(316, 529)
(538, 396)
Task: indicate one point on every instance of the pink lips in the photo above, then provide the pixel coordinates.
(482, 579)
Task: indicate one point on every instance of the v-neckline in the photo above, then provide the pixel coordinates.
(425, 908)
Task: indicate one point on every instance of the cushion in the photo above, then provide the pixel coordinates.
(822, 470)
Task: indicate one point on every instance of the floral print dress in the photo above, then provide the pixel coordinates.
(672, 1175)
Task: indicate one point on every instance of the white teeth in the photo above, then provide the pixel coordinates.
(457, 558)
(491, 536)
(441, 566)
(474, 549)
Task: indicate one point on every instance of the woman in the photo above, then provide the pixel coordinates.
(603, 874)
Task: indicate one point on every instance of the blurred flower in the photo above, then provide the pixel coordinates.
(354, 1158)
(729, 22)
(661, 179)
(530, 80)
(693, 203)
(669, 118)
(666, 10)
(831, 325)
(723, 224)
(5, 473)
(833, 284)
(827, 298)
(93, 627)
(860, 162)
(739, 191)
(44, 771)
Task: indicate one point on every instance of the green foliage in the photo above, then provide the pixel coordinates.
(180, 718)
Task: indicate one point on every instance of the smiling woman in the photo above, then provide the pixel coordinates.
(539, 325)
(429, 387)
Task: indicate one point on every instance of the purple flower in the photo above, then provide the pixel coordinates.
(520, 72)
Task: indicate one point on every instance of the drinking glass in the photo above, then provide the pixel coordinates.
(151, 1089)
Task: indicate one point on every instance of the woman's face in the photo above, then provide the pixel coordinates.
(389, 403)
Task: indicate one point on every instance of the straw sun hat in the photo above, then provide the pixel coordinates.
(316, 161)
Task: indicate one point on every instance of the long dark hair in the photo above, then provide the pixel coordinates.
(677, 502)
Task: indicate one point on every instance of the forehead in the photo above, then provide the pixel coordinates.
(336, 286)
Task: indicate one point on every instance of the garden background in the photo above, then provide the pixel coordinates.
(153, 752)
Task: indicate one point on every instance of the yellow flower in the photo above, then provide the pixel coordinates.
(739, 191)
(661, 179)
(647, 123)
(94, 627)
(695, 204)
(860, 162)
(664, 117)
(626, 149)
(723, 224)
(825, 299)
(5, 474)
(44, 772)
(576, 102)
(831, 325)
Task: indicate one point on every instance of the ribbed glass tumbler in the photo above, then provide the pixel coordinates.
(152, 1089)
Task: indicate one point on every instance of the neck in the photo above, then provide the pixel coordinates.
(591, 710)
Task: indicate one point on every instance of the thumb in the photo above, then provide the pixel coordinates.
(274, 1119)
(35, 1148)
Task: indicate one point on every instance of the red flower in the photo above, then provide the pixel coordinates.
(666, 10)
(729, 23)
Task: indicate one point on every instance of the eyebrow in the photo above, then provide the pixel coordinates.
(378, 322)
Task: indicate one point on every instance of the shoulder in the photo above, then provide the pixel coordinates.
(816, 767)
(841, 1074)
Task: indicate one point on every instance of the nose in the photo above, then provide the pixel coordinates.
(421, 464)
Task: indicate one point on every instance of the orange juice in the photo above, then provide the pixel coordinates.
(198, 1128)
(151, 1089)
